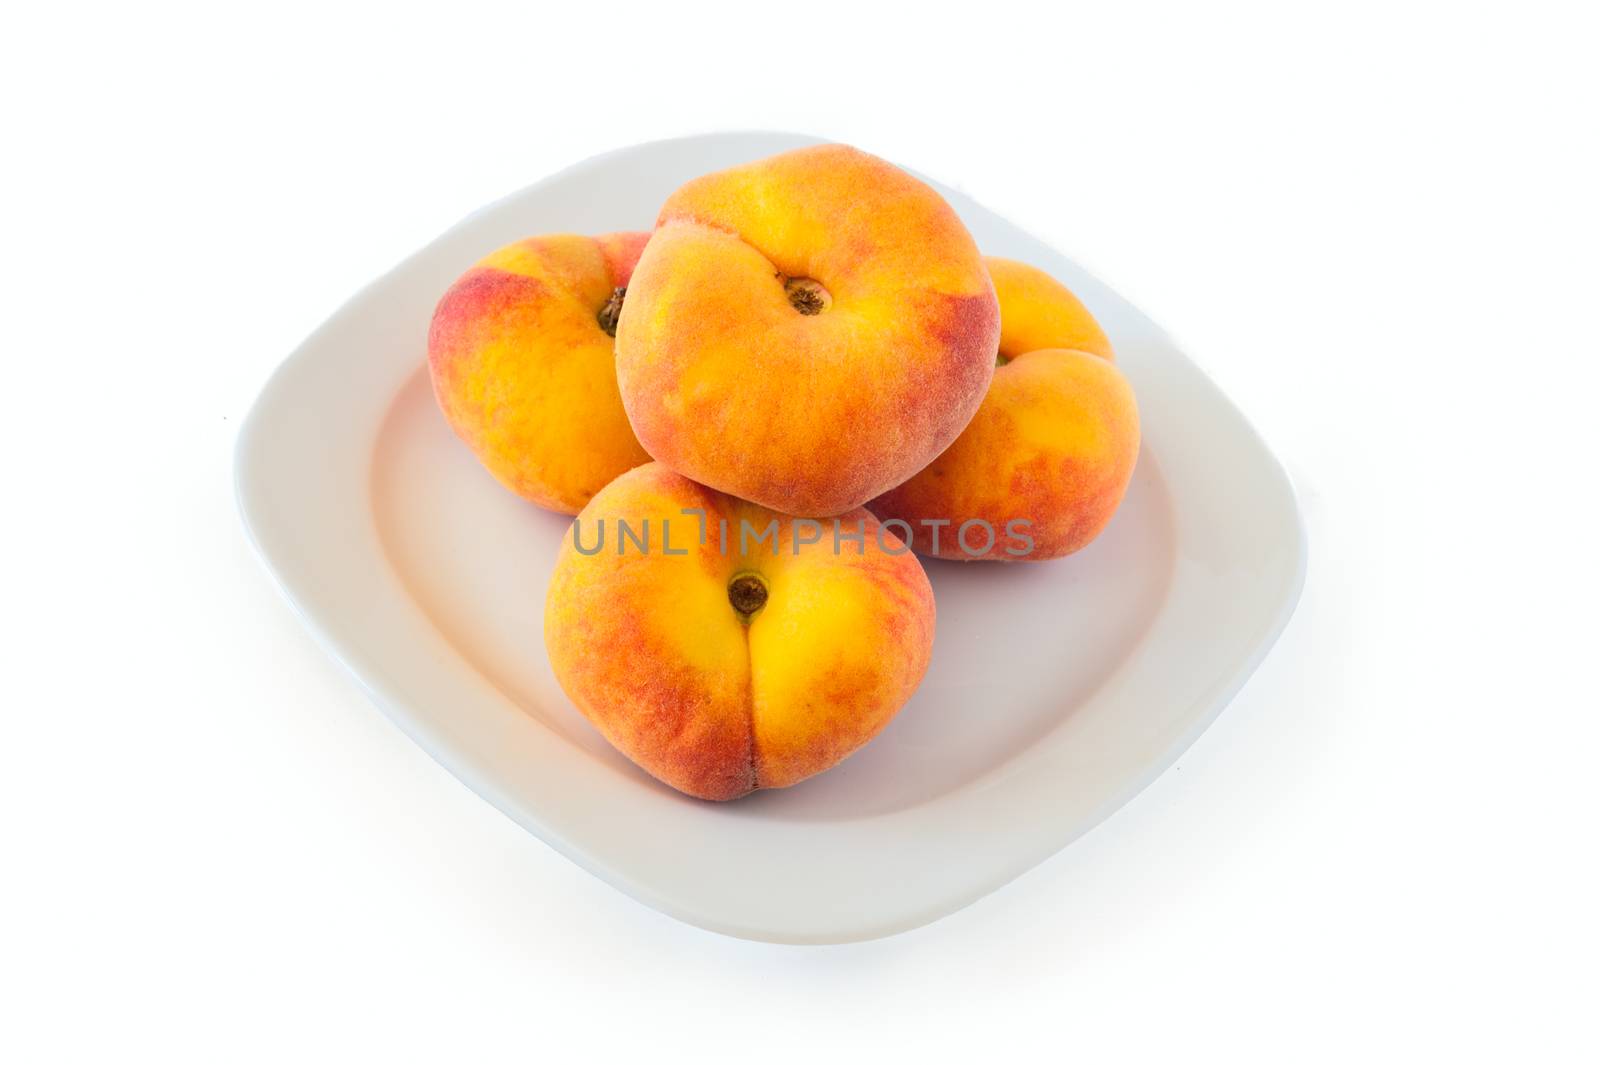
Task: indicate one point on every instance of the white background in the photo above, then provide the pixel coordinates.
(1375, 225)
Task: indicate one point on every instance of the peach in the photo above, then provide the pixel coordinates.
(521, 356)
(725, 647)
(1047, 458)
(806, 331)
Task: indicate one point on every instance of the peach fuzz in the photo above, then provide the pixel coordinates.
(723, 670)
(806, 331)
(1054, 442)
(521, 356)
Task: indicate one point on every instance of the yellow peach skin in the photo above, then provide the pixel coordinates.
(1053, 444)
(732, 648)
(806, 331)
(521, 356)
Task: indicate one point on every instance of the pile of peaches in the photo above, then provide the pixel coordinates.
(761, 412)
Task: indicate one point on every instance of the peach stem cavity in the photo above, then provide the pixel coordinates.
(612, 311)
(807, 296)
(748, 594)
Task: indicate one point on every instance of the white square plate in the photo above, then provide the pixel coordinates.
(1057, 690)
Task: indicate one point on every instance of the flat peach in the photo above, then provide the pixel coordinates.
(1045, 462)
(806, 331)
(725, 647)
(521, 356)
